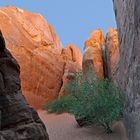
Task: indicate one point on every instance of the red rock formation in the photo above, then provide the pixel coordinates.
(73, 64)
(93, 58)
(34, 43)
(96, 39)
(112, 52)
(72, 53)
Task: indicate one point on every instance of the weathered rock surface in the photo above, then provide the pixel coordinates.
(72, 53)
(73, 64)
(101, 55)
(127, 14)
(34, 43)
(93, 56)
(18, 121)
(112, 53)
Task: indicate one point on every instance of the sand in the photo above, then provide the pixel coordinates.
(64, 127)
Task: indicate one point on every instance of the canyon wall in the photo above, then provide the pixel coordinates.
(18, 120)
(127, 14)
(43, 60)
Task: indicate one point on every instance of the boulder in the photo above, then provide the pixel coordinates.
(18, 121)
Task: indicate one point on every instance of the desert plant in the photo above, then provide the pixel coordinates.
(60, 105)
(100, 103)
(106, 104)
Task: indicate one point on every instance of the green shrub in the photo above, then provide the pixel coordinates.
(100, 103)
(60, 105)
(106, 105)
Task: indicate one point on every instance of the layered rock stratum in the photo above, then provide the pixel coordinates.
(43, 60)
(18, 120)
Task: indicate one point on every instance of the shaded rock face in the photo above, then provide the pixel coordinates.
(18, 121)
(37, 48)
(112, 53)
(128, 77)
(93, 56)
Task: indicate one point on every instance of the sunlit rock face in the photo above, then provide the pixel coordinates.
(112, 53)
(73, 64)
(101, 56)
(72, 53)
(37, 48)
(93, 56)
(127, 14)
(18, 120)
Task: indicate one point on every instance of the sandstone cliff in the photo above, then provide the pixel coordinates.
(127, 14)
(34, 43)
(101, 55)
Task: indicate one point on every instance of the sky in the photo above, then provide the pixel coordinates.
(73, 20)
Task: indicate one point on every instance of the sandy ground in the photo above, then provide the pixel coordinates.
(64, 127)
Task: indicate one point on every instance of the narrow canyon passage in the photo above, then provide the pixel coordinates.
(64, 127)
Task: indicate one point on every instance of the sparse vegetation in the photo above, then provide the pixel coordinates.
(100, 103)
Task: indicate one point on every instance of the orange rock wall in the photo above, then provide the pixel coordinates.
(34, 43)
